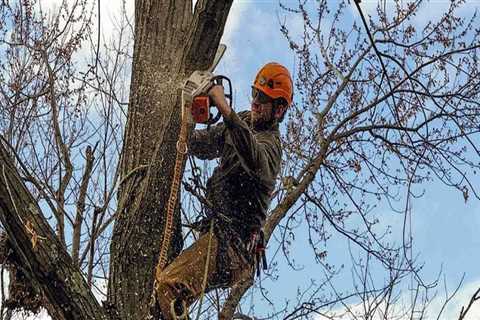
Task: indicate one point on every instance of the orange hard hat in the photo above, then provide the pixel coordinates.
(274, 80)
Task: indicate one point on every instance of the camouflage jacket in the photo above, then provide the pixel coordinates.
(241, 186)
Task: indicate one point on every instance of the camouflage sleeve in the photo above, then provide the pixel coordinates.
(207, 144)
(260, 155)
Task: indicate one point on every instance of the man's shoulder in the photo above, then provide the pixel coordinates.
(270, 138)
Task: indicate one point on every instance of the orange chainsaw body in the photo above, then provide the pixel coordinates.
(201, 109)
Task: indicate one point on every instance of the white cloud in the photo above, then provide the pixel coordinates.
(100, 289)
(462, 298)
(451, 310)
(50, 6)
(110, 12)
(237, 14)
(42, 315)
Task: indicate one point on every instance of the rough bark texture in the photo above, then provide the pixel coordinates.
(38, 251)
(21, 293)
(170, 42)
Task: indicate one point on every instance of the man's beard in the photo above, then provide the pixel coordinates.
(258, 120)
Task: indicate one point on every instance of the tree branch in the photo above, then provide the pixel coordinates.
(207, 29)
(77, 226)
(64, 152)
(236, 294)
(475, 297)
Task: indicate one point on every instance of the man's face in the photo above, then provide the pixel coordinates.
(261, 108)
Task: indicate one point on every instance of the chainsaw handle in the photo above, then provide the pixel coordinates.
(218, 80)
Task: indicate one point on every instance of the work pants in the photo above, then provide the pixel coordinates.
(181, 282)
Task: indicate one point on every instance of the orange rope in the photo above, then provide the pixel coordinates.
(182, 150)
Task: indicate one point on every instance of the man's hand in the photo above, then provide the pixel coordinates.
(217, 94)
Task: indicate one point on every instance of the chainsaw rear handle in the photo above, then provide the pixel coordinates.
(218, 80)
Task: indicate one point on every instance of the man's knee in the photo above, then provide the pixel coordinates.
(181, 282)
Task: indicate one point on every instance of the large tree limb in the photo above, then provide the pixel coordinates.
(41, 256)
(207, 29)
(169, 43)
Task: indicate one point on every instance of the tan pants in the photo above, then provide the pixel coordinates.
(182, 280)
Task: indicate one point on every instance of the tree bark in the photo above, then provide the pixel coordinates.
(170, 42)
(39, 253)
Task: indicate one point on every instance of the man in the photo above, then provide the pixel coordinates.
(239, 191)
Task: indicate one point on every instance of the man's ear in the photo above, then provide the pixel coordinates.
(279, 111)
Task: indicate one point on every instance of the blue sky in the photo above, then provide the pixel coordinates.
(445, 228)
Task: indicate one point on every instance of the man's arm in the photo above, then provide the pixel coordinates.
(260, 157)
(207, 144)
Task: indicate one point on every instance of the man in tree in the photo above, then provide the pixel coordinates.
(238, 192)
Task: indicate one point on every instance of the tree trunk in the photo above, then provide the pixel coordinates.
(170, 42)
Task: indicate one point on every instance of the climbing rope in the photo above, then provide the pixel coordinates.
(205, 274)
(182, 150)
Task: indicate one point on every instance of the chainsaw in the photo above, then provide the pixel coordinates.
(195, 93)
